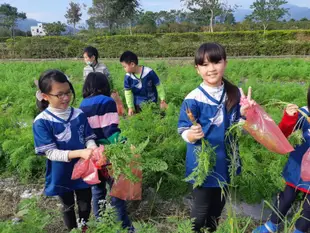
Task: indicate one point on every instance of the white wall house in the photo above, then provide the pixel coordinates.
(38, 30)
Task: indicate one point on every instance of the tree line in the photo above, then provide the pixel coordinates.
(126, 17)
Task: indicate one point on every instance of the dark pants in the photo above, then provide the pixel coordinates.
(207, 208)
(83, 197)
(99, 192)
(138, 108)
(284, 203)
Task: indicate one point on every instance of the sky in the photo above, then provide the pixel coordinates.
(50, 11)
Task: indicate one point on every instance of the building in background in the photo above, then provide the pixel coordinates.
(38, 30)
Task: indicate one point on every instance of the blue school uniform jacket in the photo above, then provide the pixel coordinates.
(292, 169)
(144, 87)
(52, 132)
(212, 115)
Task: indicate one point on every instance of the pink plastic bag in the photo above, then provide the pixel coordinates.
(88, 169)
(305, 166)
(264, 130)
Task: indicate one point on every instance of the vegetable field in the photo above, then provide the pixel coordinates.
(164, 155)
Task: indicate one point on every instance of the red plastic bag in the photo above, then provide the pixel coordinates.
(88, 169)
(264, 130)
(126, 189)
(119, 103)
(305, 166)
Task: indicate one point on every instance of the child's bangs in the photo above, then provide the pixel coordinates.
(211, 52)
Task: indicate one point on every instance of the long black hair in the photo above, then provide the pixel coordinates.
(96, 83)
(214, 52)
(45, 85)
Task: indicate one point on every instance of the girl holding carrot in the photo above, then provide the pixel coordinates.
(206, 114)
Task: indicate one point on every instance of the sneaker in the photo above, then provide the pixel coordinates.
(266, 228)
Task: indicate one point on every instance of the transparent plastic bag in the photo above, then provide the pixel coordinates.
(264, 130)
(305, 166)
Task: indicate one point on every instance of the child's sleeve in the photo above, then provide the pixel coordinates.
(43, 138)
(85, 73)
(106, 72)
(88, 131)
(288, 123)
(129, 98)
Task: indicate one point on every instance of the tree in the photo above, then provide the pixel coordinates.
(206, 10)
(266, 11)
(147, 21)
(304, 19)
(9, 15)
(91, 23)
(113, 13)
(54, 29)
(129, 10)
(73, 14)
(230, 19)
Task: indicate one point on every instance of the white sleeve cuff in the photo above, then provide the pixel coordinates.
(91, 144)
(185, 138)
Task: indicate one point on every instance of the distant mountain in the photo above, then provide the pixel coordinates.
(295, 12)
(25, 25)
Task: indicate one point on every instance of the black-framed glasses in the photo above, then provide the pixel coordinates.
(62, 95)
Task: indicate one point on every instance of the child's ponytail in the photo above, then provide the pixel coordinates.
(233, 94)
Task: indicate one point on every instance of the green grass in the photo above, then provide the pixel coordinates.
(282, 79)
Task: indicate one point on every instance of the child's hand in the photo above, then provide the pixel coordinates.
(246, 101)
(86, 153)
(291, 109)
(195, 133)
(130, 111)
(163, 105)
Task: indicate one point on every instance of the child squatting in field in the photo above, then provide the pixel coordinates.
(141, 84)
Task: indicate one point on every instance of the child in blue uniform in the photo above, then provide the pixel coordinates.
(294, 184)
(102, 115)
(215, 106)
(63, 135)
(141, 84)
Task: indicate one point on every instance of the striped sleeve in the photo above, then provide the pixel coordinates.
(43, 137)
